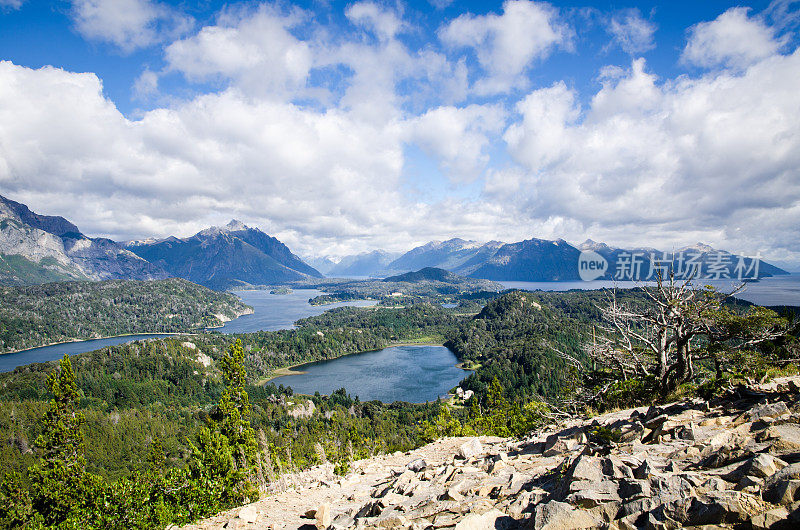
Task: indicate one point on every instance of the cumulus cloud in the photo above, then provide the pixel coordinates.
(734, 39)
(458, 137)
(716, 157)
(272, 162)
(506, 45)
(631, 32)
(254, 50)
(128, 24)
(383, 23)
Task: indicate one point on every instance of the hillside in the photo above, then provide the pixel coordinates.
(532, 260)
(730, 462)
(41, 314)
(223, 257)
(39, 248)
(455, 254)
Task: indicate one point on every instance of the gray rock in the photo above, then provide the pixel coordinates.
(417, 465)
(784, 437)
(632, 489)
(491, 519)
(593, 494)
(760, 466)
(785, 491)
(556, 515)
(768, 411)
(586, 468)
(775, 519)
(470, 449)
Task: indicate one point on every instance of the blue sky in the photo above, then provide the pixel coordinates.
(347, 126)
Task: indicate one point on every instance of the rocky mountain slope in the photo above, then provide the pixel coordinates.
(542, 260)
(457, 255)
(730, 463)
(39, 248)
(229, 256)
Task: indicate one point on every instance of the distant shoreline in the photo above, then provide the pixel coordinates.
(290, 370)
(70, 341)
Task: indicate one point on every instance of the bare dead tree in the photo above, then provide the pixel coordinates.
(658, 339)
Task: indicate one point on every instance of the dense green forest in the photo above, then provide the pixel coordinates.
(41, 314)
(169, 397)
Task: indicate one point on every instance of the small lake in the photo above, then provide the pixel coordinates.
(9, 361)
(272, 312)
(775, 290)
(279, 311)
(415, 374)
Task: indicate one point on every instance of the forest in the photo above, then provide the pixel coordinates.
(37, 315)
(153, 411)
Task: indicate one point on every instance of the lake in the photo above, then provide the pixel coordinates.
(9, 361)
(415, 374)
(776, 290)
(280, 311)
(272, 312)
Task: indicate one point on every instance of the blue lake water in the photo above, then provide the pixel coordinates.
(9, 361)
(280, 311)
(776, 290)
(415, 374)
(272, 312)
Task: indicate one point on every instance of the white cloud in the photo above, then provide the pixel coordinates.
(458, 137)
(10, 4)
(506, 45)
(631, 32)
(733, 39)
(385, 24)
(254, 50)
(128, 24)
(179, 169)
(716, 157)
(146, 84)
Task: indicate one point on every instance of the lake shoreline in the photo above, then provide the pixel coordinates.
(72, 341)
(290, 370)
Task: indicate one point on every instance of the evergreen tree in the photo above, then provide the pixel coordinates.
(61, 489)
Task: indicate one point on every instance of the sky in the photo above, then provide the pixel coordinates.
(342, 127)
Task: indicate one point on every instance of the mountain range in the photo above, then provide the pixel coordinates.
(234, 255)
(40, 248)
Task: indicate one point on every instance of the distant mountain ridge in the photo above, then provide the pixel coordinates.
(542, 260)
(40, 248)
(224, 257)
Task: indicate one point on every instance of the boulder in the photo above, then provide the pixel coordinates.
(586, 468)
(491, 519)
(417, 465)
(775, 519)
(592, 494)
(323, 515)
(785, 491)
(248, 514)
(760, 466)
(768, 411)
(556, 515)
(784, 437)
(469, 449)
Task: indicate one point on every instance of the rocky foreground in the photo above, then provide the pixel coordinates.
(730, 463)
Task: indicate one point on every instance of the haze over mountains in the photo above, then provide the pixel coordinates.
(39, 248)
